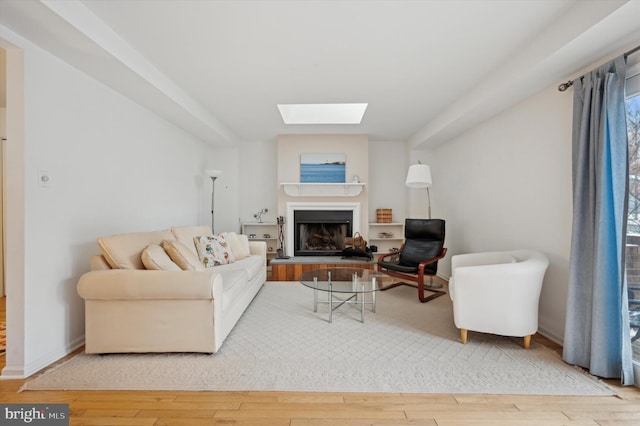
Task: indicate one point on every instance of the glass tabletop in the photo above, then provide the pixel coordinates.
(345, 280)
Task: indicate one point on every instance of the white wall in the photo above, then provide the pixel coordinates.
(387, 173)
(114, 167)
(506, 184)
(258, 180)
(227, 190)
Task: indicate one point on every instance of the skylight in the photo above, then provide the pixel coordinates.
(322, 113)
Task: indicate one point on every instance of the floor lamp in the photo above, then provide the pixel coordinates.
(419, 176)
(213, 174)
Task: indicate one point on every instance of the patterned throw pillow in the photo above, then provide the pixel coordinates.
(214, 250)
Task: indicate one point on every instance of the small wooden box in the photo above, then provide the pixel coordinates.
(384, 215)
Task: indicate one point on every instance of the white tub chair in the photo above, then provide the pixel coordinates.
(497, 292)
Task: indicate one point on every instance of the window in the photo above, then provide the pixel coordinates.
(633, 218)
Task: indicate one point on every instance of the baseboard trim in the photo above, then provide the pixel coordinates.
(551, 335)
(13, 372)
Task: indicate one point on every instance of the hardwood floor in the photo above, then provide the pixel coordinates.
(298, 409)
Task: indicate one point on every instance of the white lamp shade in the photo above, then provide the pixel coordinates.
(213, 173)
(419, 176)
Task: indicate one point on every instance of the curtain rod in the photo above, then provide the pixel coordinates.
(564, 86)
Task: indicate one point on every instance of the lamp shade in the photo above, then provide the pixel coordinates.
(419, 176)
(213, 173)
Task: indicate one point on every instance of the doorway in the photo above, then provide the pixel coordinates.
(12, 209)
(3, 138)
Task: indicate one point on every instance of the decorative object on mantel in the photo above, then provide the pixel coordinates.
(323, 168)
(258, 215)
(213, 174)
(419, 176)
(301, 189)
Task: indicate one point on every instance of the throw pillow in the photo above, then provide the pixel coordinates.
(214, 250)
(182, 256)
(156, 259)
(239, 245)
(185, 235)
(124, 251)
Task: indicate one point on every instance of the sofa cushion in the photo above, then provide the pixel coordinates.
(253, 265)
(239, 245)
(214, 250)
(186, 234)
(182, 256)
(124, 251)
(156, 259)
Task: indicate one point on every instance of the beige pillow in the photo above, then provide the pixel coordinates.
(182, 256)
(185, 235)
(156, 259)
(239, 245)
(124, 251)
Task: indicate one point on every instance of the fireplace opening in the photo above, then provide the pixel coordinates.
(321, 232)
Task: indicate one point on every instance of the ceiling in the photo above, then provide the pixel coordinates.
(429, 70)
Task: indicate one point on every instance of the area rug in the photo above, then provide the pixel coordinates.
(3, 336)
(280, 344)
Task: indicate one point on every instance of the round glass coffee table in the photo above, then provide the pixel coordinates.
(345, 286)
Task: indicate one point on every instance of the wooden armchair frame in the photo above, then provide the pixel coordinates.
(417, 278)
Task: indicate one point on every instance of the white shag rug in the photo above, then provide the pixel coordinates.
(280, 344)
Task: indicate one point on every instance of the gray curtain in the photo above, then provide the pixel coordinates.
(597, 324)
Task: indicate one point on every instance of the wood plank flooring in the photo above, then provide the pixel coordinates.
(320, 409)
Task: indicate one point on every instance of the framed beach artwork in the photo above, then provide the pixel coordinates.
(323, 168)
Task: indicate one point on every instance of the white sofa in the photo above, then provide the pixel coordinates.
(131, 309)
(497, 292)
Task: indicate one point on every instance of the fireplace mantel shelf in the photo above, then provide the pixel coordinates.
(303, 189)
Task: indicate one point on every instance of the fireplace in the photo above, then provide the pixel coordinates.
(321, 232)
(319, 228)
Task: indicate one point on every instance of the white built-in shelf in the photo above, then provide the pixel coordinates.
(394, 238)
(259, 230)
(377, 228)
(300, 189)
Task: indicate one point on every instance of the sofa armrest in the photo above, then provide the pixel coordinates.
(126, 284)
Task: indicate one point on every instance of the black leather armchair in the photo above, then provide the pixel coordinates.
(418, 256)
